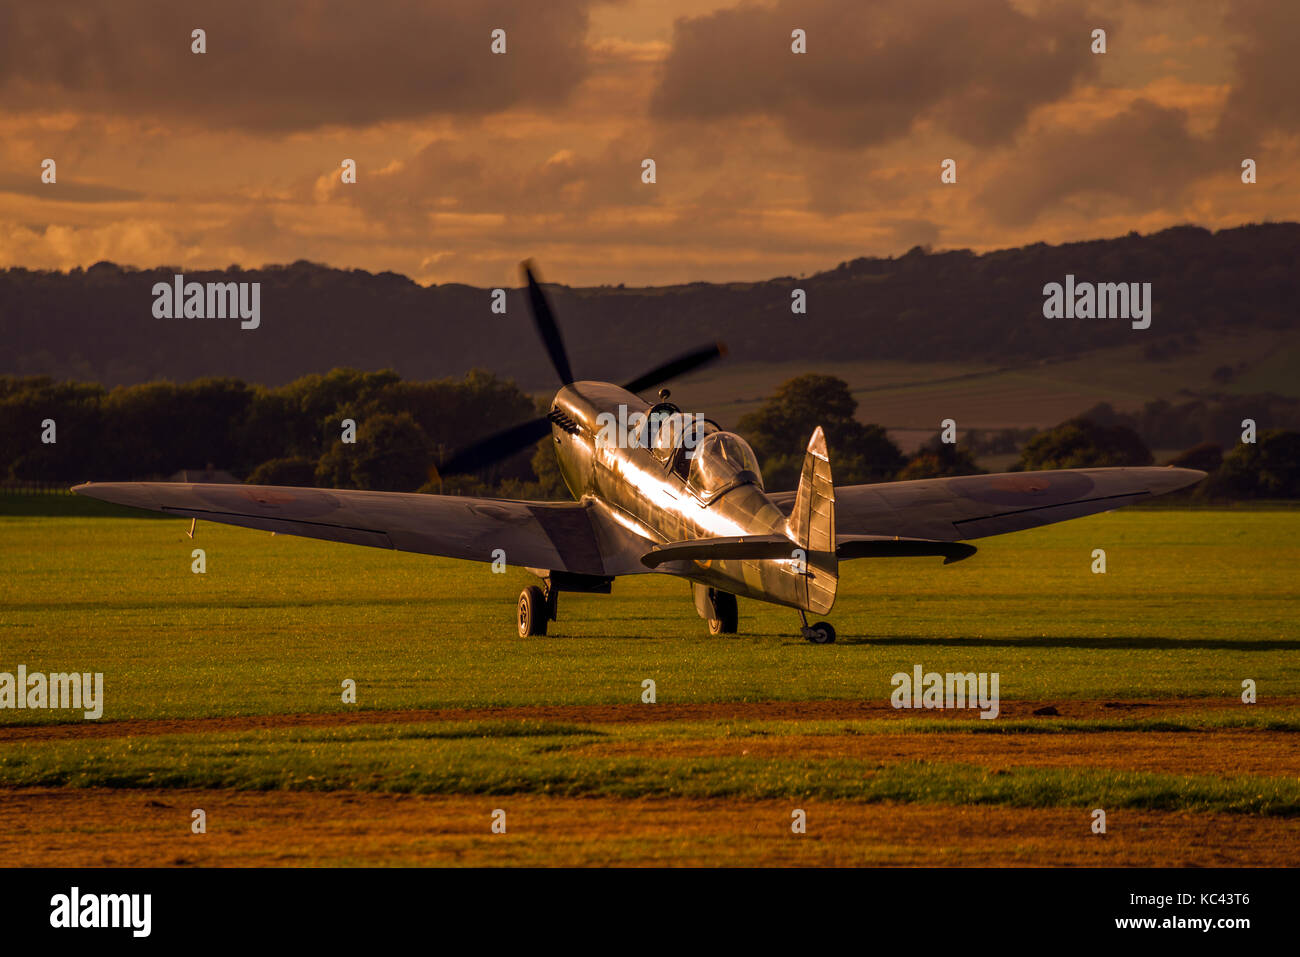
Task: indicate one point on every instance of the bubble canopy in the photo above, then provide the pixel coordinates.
(723, 460)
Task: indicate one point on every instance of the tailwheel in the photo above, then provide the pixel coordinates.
(728, 615)
(534, 612)
(822, 633)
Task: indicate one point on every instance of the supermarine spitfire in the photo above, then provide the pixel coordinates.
(675, 494)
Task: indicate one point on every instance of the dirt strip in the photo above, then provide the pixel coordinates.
(1224, 753)
(100, 827)
(630, 714)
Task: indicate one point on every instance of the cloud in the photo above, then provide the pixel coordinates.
(769, 163)
(906, 233)
(282, 67)
(1150, 156)
(1145, 157)
(60, 247)
(1263, 97)
(874, 71)
(65, 190)
(493, 175)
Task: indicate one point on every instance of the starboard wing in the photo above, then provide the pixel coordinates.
(559, 536)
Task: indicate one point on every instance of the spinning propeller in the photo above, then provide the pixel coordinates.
(505, 443)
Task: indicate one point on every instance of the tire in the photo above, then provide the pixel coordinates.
(533, 612)
(822, 633)
(728, 619)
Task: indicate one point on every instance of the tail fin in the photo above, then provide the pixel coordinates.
(812, 525)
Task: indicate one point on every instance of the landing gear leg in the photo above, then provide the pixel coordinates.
(552, 596)
(727, 616)
(822, 633)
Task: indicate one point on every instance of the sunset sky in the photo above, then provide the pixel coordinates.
(768, 163)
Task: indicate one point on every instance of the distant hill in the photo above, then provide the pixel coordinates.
(97, 324)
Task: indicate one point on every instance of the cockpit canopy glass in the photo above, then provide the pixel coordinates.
(721, 460)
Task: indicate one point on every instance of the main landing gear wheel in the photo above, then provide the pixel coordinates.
(728, 619)
(534, 612)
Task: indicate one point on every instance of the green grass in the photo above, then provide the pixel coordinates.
(1193, 603)
(514, 758)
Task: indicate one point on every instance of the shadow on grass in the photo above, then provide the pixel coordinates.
(1148, 642)
(792, 639)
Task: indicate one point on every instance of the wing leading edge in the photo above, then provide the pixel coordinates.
(561, 536)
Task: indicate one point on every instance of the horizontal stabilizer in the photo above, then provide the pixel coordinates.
(718, 549)
(758, 547)
(877, 546)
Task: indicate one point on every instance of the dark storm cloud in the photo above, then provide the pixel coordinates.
(1263, 97)
(1147, 157)
(1144, 158)
(276, 66)
(873, 70)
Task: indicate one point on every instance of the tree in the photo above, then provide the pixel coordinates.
(938, 459)
(547, 468)
(1267, 468)
(316, 405)
(287, 471)
(1080, 443)
(1207, 457)
(391, 454)
(156, 428)
(78, 452)
(457, 412)
(780, 429)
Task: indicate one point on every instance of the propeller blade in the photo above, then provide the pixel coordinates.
(676, 367)
(544, 318)
(497, 447)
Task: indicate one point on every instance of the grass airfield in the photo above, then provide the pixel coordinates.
(223, 692)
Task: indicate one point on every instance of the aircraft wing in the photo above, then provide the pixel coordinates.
(962, 507)
(558, 536)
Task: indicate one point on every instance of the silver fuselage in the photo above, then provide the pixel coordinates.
(650, 496)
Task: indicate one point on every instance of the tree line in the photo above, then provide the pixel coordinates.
(298, 434)
(294, 432)
(1210, 430)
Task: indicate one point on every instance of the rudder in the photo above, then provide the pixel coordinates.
(812, 526)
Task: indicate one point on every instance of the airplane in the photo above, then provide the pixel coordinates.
(659, 491)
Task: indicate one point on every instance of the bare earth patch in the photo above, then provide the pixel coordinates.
(622, 714)
(1170, 752)
(103, 827)
(111, 827)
